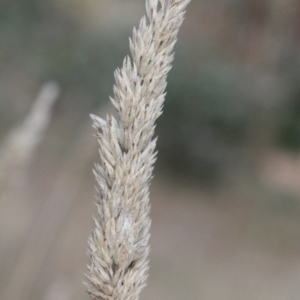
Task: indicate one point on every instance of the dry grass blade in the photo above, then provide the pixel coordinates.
(16, 153)
(20, 144)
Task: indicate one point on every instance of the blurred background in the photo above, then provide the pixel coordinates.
(226, 193)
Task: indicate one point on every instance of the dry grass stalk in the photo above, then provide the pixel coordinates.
(118, 247)
(20, 144)
(16, 154)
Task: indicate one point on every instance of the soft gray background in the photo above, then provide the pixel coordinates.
(226, 193)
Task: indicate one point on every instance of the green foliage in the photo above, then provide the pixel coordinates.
(289, 136)
(205, 121)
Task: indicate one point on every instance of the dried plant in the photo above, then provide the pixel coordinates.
(16, 154)
(19, 146)
(118, 247)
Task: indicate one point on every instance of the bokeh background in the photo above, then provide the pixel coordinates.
(226, 193)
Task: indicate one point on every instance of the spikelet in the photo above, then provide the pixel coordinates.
(118, 247)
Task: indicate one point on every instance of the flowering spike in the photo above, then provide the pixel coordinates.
(118, 247)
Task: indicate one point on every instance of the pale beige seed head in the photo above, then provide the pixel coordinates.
(118, 247)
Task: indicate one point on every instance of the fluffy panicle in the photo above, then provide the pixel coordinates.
(118, 247)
